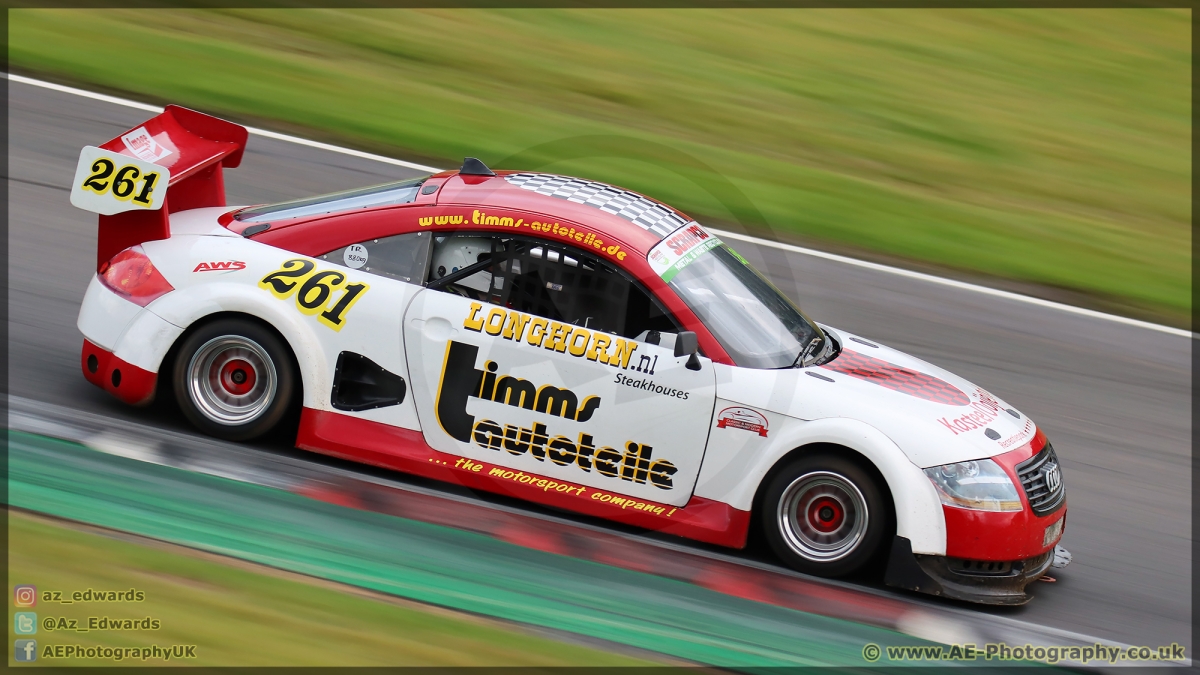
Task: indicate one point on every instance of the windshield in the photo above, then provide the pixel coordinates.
(403, 192)
(756, 324)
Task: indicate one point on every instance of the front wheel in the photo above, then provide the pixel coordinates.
(824, 515)
(234, 380)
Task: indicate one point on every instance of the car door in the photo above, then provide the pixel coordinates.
(537, 357)
(366, 362)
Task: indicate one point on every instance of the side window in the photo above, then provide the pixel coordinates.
(549, 280)
(401, 257)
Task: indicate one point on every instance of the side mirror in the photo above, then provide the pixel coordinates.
(686, 343)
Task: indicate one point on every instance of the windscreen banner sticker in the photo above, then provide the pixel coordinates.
(678, 249)
(109, 183)
(321, 293)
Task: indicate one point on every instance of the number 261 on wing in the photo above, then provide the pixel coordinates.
(109, 183)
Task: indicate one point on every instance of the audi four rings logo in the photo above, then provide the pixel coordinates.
(1053, 477)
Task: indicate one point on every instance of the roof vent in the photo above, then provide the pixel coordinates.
(474, 167)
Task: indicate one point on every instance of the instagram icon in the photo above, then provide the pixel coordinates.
(25, 596)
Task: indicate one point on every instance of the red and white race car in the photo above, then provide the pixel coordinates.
(559, 340)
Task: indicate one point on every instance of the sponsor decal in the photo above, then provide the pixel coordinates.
(1016, 439)
(983, 412)
(742, 418)
(355, 256)
(679, 249)
(563, 338)
(316, 291)
(646, 384)
(443, 220)
(551, 485)
(220, 266)
(143, 146)
(461, 380)
(566, 232)
(522, 393)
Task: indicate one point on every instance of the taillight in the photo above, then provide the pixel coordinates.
(131, 274)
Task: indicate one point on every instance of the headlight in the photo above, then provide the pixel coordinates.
(978, 484)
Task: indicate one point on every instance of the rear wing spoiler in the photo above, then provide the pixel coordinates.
(171, 162)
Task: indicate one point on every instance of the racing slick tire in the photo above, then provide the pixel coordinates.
(234, 379)
(825, 515)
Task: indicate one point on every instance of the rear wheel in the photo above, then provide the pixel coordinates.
(234, 379)
(824, 515)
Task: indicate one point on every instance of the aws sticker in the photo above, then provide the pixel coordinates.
(316, 291)
(742, 418)
(220, 266)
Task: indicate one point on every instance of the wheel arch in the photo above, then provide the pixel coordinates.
(916, 510)
(845, 451)
(196, 306)
(167, 365)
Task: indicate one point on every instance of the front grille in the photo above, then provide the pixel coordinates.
(1037, 478)
(982, 568)
(1038, 564)
(1027, 568)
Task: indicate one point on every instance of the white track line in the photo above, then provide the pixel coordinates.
(254, 131)
(1071, 309)
(957, 284)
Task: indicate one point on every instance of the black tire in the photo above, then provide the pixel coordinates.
(234, 379)
(825, 515)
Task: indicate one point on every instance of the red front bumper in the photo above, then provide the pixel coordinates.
(1002, 536)
(990, 556)
(126, 381)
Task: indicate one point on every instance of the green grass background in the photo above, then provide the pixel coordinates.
(239, 614)
(1044, 150)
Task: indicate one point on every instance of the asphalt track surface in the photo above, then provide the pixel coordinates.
(1114, 398)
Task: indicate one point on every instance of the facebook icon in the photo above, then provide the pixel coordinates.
(26, 650)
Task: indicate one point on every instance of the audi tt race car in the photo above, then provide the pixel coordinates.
(559, 340)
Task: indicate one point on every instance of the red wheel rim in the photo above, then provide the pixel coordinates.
(238, 377)
(825, 515)
(822, 516)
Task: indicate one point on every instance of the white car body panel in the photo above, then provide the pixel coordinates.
(202, 222)
(913, 423)
(737, 462)
(202, 293)
(104, 315)
(146, 340)
(898, 432)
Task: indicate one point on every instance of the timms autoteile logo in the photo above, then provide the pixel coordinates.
(462, 380)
